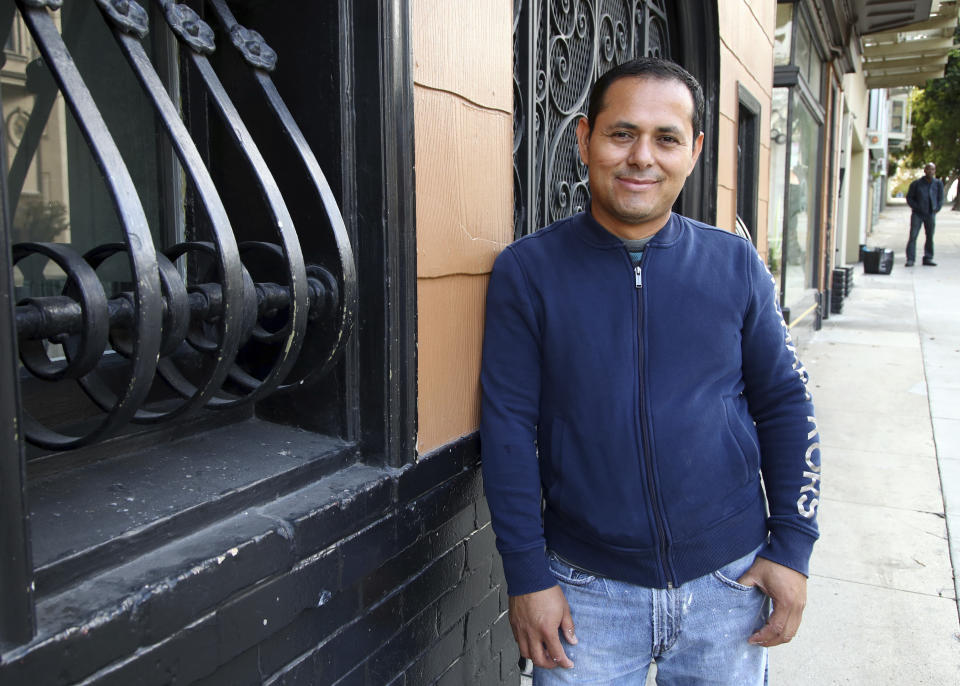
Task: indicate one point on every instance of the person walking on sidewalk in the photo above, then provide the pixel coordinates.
(638, 379)
(925, 197)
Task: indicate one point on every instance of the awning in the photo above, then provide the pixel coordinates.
(910, 54)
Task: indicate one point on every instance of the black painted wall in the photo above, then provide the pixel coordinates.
(370, 576)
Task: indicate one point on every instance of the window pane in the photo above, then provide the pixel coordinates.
(778, 161)
(55, 185)
(800, 233)
(781, 36)
(896, 116)
(804, 49)
(815, 77)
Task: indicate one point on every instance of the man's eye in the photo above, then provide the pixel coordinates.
(622, 135)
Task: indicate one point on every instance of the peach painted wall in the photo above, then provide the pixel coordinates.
(463, 103)
(746, 57)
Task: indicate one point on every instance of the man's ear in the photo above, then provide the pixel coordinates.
(583, 140)
(697, 148)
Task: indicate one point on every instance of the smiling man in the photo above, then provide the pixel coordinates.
(638, 381)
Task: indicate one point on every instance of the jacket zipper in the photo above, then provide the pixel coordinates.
(647, 452)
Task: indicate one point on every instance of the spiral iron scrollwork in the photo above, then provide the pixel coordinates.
(82, 319)
(573, 43)
(217, 322)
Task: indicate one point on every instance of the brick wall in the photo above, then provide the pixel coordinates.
(371, 576)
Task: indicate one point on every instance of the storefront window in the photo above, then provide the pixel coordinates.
(778, 161)
(800, 229)
(802, 56)
(781, 36)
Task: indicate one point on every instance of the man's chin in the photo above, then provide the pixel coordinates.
(639, 216)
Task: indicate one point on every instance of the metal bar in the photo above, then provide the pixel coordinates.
(38, 77)
(257, 55)
(127, 34)
(39, 114)
(197, 37)
(17, 617)
(140, 251)
(349, 201)
(51, 317)
(7, 15)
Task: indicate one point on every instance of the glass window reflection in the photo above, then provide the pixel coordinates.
(778, 161)
(781, 35)
(56, 190)
(800, 228)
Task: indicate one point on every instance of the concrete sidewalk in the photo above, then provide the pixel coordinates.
(885, 378)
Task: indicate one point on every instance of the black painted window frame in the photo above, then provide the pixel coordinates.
(378, 204)
(749, 116)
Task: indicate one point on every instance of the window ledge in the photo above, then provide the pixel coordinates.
(105, 513)
(177, 587)
(242, 578)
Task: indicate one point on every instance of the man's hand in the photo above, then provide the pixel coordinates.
(535, 619)
(787, 589)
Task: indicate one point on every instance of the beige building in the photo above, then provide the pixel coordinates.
(466, 87)
(258, 460)
(40, 171)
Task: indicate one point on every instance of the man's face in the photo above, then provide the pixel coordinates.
(930, 170)
(640, 153)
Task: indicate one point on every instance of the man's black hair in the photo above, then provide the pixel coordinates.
(652, 68)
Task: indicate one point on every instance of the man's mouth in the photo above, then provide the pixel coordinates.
(641, 182)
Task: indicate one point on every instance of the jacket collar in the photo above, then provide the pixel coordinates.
(591, 231)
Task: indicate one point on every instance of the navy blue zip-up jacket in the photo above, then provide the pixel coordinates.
(925, 197)
(643, 405)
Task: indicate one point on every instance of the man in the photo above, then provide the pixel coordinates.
(638, 376)
(925, 197)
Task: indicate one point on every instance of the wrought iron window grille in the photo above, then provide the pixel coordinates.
(217, 320)
(292, 309)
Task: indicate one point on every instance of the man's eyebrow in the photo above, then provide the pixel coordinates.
(630, 126)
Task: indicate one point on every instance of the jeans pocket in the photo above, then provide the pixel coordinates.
(726, 581)
(567, 573)
(729, 573)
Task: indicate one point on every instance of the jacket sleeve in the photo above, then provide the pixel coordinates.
(510, 380)
(939, 197)
(775, 385)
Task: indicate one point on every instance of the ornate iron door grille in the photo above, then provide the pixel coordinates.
(560, 48)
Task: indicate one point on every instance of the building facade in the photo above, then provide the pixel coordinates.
(245, 251)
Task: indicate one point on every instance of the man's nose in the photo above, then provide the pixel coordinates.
(641, 152)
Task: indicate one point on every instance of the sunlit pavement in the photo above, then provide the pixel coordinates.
(885, 378)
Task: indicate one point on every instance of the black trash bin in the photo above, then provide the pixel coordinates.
(877, 261)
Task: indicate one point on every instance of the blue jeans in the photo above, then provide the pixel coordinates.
(697, 633)
(929, 222)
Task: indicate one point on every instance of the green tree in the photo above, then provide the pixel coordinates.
(936, 124)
